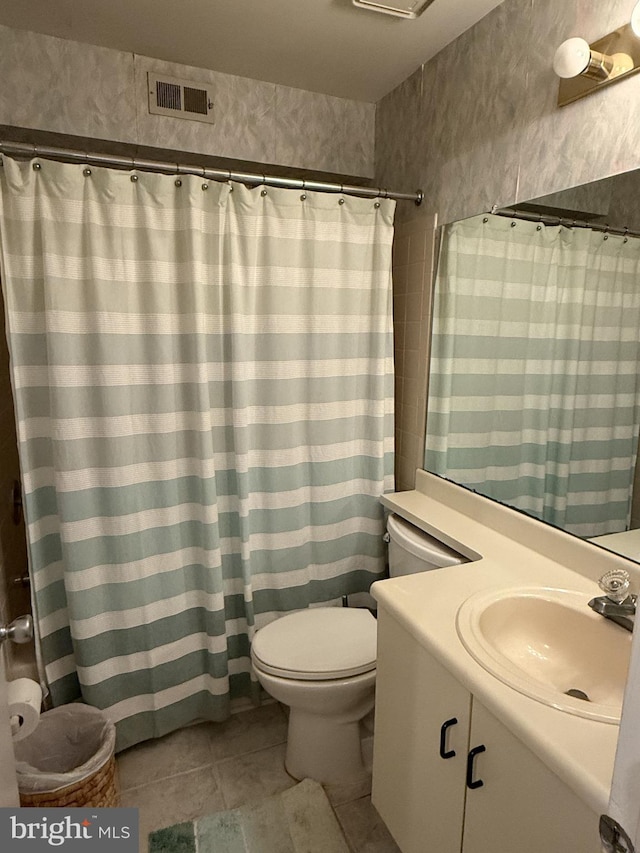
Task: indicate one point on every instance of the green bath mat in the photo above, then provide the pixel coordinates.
(298, 820)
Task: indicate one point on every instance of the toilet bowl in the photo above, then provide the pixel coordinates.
(321, 663)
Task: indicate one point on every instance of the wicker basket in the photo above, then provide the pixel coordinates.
(100, 790)
(68, 760)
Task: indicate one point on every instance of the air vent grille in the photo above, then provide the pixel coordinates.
(179, 98)
(399, 8)
(195, 100)
(168, 95)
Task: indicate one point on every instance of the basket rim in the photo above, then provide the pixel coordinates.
(104, 777)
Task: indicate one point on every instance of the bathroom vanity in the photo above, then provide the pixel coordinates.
(469, 756)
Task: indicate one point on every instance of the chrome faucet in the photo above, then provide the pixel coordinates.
(617, 604)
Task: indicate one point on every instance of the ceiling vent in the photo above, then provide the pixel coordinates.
(179, 98)
(399, 8)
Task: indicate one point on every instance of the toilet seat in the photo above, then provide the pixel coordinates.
(318, 644)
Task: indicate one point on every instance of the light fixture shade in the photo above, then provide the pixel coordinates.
(635, 20)
(585, 68)
(572, 58)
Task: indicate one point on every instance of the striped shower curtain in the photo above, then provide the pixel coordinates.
(534, 395)
(203, 383)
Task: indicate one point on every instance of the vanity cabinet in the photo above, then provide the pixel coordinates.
(449, 777)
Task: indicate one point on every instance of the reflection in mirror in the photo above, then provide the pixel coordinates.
(534, 390)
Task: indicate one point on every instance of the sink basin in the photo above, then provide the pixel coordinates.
(544, 642)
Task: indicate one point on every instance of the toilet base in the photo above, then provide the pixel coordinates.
(324, 749)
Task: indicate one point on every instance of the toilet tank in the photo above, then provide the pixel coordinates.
(412, 550)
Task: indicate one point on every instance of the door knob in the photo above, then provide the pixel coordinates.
(19, 631)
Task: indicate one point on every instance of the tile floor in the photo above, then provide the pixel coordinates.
(214, 766)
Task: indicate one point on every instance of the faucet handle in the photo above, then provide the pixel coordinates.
(615, 584)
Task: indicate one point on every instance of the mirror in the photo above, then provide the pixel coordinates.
(611, 202)
(607, 207)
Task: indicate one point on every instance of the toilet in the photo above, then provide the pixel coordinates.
(321, 663)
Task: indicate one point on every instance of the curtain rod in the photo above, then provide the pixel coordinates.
(547, 219)
(21, 149)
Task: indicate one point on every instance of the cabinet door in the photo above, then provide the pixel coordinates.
(521, 806)
(419, 794)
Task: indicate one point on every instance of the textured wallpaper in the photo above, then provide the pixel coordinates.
(66, 87)
(479, 124)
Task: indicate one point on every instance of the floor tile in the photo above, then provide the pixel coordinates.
(346, 793)
(174, 800)
(363, 827)
(215, 766)
(248, 731)
(257, 774)
(186, 749)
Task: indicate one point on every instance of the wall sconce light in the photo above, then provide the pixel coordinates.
(575, 56)
(583, 68)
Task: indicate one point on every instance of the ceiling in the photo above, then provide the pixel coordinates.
(327, 46)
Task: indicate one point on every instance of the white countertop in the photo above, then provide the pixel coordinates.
(513, 550)
(627, 543)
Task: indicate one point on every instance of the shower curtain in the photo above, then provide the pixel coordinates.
(535, 379)
(203, 382)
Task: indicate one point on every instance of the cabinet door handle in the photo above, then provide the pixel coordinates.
(471, 782)
(444, 753)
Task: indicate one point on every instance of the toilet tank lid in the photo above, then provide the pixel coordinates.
(318, 644)
(420, 543)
